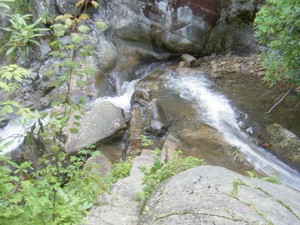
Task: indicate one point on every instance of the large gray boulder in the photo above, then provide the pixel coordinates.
(285, 144)
(215, 195)
(185, 26)
(103, 121)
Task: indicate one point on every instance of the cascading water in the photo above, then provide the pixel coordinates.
(216, 110)
(123, 99)
(12, 137)
(126, 90)
(13, 134)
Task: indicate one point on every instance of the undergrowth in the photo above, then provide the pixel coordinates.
(160, 172)
(54, 194)
(272, 179)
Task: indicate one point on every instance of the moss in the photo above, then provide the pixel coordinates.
(236, 184)
(189, 212)
(23, 7)
(288, 208)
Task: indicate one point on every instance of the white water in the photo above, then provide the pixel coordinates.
(12, 135)
(217, 112)
(126, 90)
(123, 99)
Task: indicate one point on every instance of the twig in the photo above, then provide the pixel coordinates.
(280, 100)
(267, 92)
(294, 106)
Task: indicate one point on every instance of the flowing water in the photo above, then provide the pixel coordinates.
(214, 109)
(14, 133)
(125, 90)
(12, 136)
(217, 111)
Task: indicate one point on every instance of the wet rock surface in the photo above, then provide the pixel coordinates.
(215, 195)
(103, 121)
(99, 165)
(285, 144)
(179, 124)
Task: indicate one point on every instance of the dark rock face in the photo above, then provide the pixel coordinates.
(208, 9)
(177, 26)
(186, 26)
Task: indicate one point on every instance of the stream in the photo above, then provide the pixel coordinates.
(217, 111)
(214, 109)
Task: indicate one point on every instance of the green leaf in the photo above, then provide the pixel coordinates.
(61, 155)
(73, 130)
(84, 29)
(76, 38)
(2, 5)
(80, 83)
(101, 26)
(10, 50)
(6, 110)
(80, 2)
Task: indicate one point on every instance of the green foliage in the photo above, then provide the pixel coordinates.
(23, 7)
(272, 179)
(160, 172)
(4, 4)
(22, 34)
(11, 78)
(58, 191)
(55, 194)
(145, 141)
(278, 26)
(52, 195)
(101, 26)
(121, 169)
(83, 154)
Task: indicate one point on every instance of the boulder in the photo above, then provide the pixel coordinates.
(68, 7)
(215, 195)
(103, 121)
(285, 144)
(44, 7)
(99, 165)
(155, 117)
(186, 26)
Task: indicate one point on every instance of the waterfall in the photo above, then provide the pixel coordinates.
(216, 110)
(126, 90)
(12, 137)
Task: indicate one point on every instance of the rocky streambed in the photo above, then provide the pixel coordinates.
(217, 110)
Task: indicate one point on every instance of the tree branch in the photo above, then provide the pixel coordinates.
(280, 100)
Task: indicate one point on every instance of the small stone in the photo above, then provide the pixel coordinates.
(182, 64)
(250, 130)
(260, 74)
